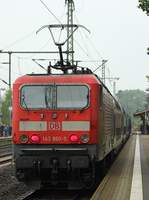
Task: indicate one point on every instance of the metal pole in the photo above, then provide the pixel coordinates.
(10, 53)
(103, 71)
(114, 88)
(70, 45)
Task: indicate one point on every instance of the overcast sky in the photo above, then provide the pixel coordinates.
(119, 33)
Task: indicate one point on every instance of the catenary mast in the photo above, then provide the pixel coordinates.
(70, 45)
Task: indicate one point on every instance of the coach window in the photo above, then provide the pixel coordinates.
(72, 96)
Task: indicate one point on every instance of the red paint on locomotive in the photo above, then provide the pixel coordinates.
(54, 133)
(56, 141)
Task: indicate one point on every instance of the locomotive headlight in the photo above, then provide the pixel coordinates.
(85, 138)
(23, 138)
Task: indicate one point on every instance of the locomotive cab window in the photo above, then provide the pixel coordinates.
(54, 96)
(36, 97)
(72, 96)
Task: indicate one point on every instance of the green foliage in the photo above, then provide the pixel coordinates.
(5, 108)
(147, 100)
(132, 101)
(144, 5)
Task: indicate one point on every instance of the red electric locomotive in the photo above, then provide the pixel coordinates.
(63, 126)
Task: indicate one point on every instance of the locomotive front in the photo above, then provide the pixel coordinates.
(54, 134)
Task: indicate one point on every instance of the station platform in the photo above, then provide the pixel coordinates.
(128, 177)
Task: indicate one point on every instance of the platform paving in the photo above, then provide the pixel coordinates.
(117, 183)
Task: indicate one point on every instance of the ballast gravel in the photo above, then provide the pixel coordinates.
(10, 188)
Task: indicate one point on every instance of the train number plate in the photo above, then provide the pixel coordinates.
(54, 139)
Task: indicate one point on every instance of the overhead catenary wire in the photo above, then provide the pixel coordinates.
(82, 49)
(30, 57)
(86, 46)
(99, 66)
(91, 42)
(82, 39)
(19, 40)
(94, 47)
(61, 24)
(50, 12)
(39, 65)
(31, 33)
(86, 53)
(6, 69)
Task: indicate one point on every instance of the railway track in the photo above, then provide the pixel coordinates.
(5, 151)
(56, 195)
(5, 158)
(6, 148)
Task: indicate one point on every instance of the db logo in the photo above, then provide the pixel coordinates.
(54, 126)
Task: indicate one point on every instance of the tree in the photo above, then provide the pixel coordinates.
(5, 108)
(144, 5)
(133, 101)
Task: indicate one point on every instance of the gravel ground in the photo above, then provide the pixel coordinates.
(10, 188)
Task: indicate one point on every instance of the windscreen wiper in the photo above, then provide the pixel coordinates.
(24, 102)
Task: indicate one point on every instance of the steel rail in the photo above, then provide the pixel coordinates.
(5, 159)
